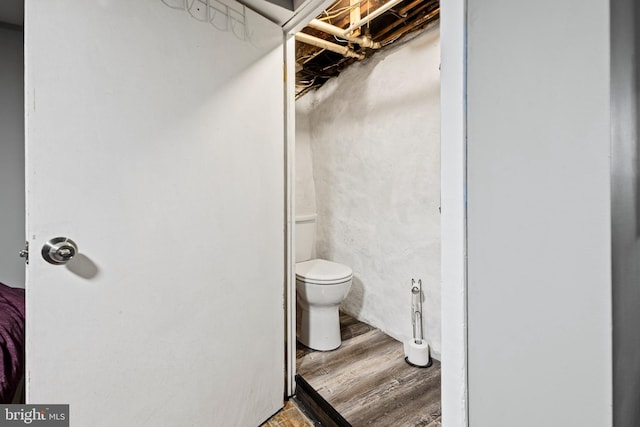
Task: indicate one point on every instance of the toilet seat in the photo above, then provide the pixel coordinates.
(323, 272)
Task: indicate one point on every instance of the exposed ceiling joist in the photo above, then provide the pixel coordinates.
(351, 30)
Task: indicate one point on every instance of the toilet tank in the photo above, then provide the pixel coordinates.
(305, 237)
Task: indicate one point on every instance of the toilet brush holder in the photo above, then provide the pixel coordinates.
(417, 349)
(418, 354)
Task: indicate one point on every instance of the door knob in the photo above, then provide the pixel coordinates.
(59, 250)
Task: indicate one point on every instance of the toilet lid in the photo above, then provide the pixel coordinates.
(322, 271)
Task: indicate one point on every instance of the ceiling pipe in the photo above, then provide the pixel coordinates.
(324, 44)
(339, 32)
(373, 15)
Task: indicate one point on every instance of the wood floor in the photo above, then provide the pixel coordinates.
(368, 382)
(289, 416)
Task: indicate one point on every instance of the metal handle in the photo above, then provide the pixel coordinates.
(59, 250)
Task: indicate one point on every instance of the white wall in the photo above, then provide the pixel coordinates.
(375, 140)
(625, 212)
(305, 188)
(12, 235)
(539, 223)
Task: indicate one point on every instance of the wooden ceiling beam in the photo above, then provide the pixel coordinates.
(403, 12)
(413, 25)
(405, 19)
(354, 15)
(371, 16)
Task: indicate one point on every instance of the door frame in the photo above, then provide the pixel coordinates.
(312, 8)
(453, 166)
(453, 24)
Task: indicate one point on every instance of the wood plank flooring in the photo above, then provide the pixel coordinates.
(368, 382)
(289, 416)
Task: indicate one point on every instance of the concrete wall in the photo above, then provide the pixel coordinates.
(375, 142)
(12, 215)
(539, 223)
(305, 187)
(625, 212)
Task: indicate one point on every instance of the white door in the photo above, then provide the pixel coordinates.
(155, 142)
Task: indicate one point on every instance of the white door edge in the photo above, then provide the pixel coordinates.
(454, 214)
(290, 214)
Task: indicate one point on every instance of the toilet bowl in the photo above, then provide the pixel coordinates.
(321, 286)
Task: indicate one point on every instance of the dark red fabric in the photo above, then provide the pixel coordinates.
(12, 309)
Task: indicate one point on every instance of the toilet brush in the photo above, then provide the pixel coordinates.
(417, 348)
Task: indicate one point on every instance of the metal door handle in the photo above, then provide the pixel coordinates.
(59, 250)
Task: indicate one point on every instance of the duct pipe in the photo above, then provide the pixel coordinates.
(324, 44)
(373, 15)
(337, 31)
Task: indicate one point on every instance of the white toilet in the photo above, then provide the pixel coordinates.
(321, 286)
